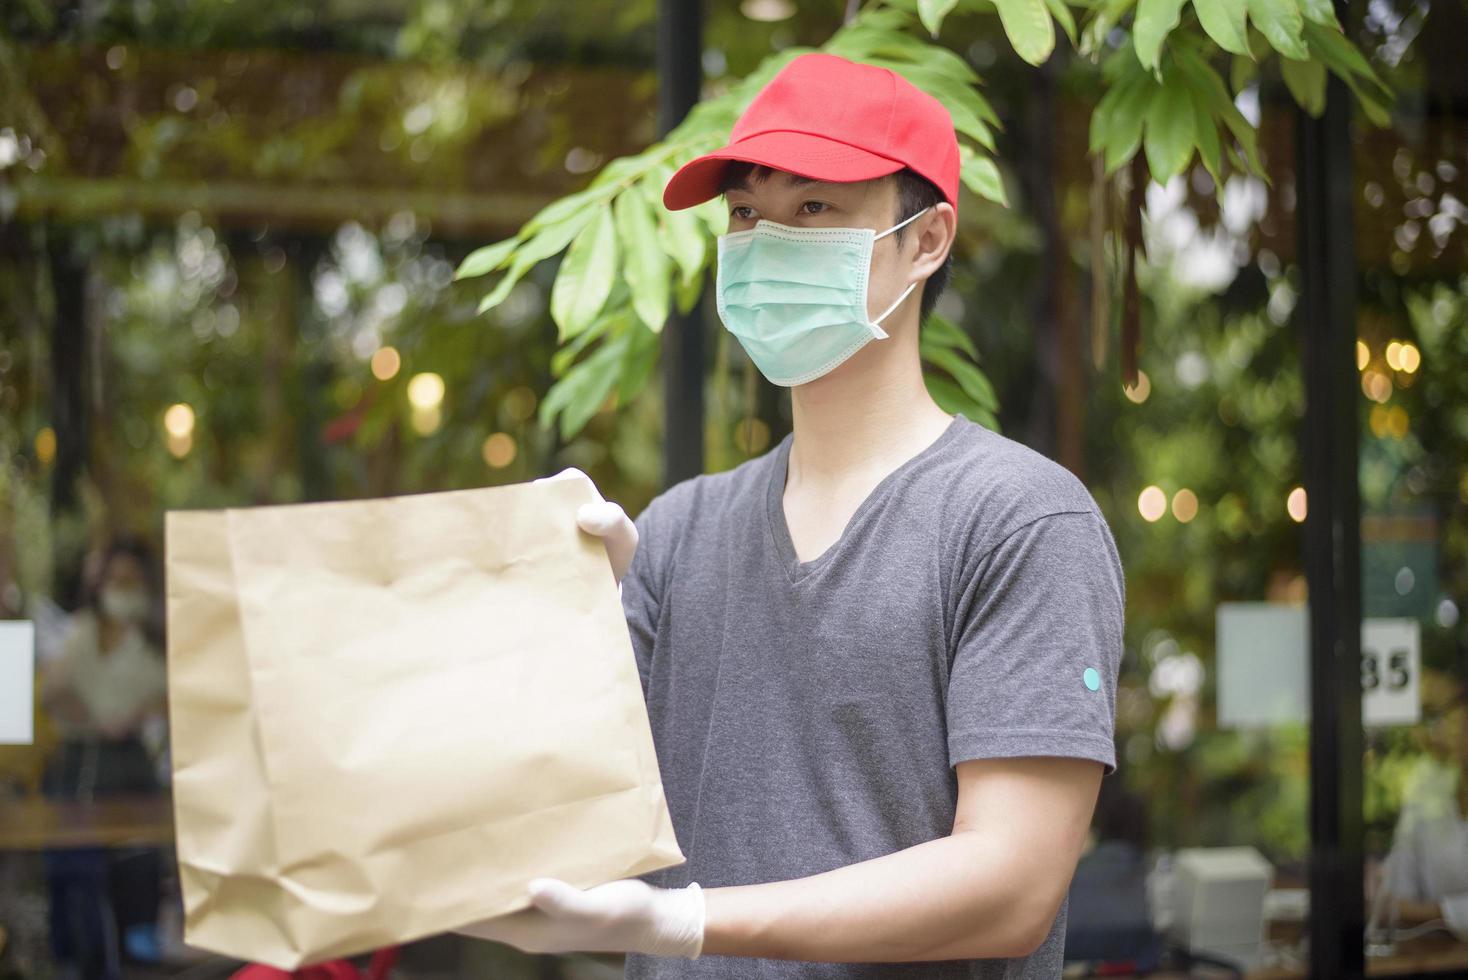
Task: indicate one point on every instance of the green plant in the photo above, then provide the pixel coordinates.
(628, 261)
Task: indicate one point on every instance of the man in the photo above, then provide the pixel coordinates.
(880, 660)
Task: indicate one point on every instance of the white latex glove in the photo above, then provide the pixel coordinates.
(627, 916)
(607, 521)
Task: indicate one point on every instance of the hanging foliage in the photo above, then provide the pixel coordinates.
(1164, 103)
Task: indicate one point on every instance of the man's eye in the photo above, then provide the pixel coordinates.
(735, 211)
(819, 206)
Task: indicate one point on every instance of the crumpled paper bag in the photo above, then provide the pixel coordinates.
(389, 715)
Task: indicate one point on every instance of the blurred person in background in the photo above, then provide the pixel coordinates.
(105, 693)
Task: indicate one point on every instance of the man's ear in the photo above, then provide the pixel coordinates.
(936, 231)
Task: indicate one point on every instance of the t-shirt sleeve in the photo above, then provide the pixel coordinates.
(1038, 644)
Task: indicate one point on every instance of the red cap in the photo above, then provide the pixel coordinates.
(831, 119)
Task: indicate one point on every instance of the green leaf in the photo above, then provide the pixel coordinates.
(1338, 53)
(1155, 20)
(486, 259)
(1306, 82)
(951, 399)
(1242, 69)
(932, 12)
(501, 289)
(862, 42)
(1226, 22)
(552, 238)
(968, 375)
(686, 292)
(567, 207)
(684, 237)
(638, 361)
(1170, 131)
(1116, 128)
(646, 263)
(578, 395)
(584, 280)
(1103, 18)
(1280, 23)
(1210, 148)
(613, 320)
(713, 214)
(1330, 46)
(943, 332)
(1207, 84)
(981, 175)
(1067, 21)
(546, 243)
(1320, 12)
(1029, 27)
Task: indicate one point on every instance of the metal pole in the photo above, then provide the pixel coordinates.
(680, 76)
(1327, 325)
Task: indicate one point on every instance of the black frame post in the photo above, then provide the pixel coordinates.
(680, 78)
(1327, 324)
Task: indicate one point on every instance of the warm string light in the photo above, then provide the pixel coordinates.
(1296, 506)
(178, 424)
(425, 394)
(1153, 506)
(386, 362)
(499, 450)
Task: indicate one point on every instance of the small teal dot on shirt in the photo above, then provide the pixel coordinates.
(1092, 679)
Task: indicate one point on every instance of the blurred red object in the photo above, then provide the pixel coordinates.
(382, 961)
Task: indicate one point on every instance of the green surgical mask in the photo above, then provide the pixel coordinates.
(796, 298)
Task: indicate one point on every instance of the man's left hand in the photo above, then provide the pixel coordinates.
(628, 916)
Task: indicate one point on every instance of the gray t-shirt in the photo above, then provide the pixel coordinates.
(807, 714)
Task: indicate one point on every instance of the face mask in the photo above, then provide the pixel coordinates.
(127, 605)
(797, 297)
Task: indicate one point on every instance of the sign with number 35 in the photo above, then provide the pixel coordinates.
(1391, 662)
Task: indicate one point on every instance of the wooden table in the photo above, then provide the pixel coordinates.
(1436, 952)
(34, 823)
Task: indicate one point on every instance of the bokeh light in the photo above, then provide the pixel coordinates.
(178, 421)
(499, 450)
(1295, 504)
(1152, 503)
(426, 420)
(386, 363)
(1411, 358)
(1139, 392)
(519, 403)
(1376, 386)
(1185, 505)
(46, 445)
(425, 391)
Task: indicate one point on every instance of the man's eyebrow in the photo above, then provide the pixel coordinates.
(794, 180)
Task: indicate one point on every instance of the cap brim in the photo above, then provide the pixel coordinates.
(799, 153)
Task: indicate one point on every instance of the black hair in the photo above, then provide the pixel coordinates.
(914, 192)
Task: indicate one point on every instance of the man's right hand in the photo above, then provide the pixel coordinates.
(609, 522)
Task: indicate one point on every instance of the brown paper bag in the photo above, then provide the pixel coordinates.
(389, 715)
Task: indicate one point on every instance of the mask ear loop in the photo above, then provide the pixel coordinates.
(913, 217)
(877, 330)
(875, 324)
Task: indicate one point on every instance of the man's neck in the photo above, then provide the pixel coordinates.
(871, 413)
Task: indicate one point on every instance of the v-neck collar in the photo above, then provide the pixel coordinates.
(798, 570)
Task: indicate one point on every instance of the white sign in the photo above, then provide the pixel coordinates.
(1261, 663)
(1264, 675)
(17, 681)
(1391, 672)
